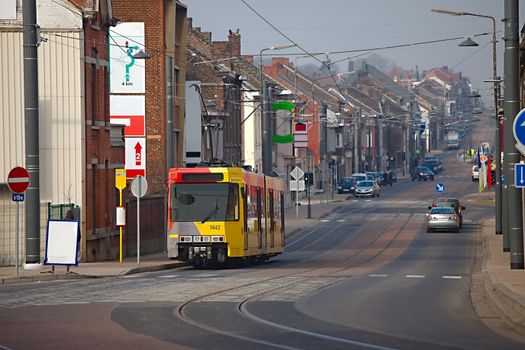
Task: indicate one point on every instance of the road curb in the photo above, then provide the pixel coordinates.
(508, 304)
(43, 278)
(153, 268)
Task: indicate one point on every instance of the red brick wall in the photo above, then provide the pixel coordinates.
(100, 203)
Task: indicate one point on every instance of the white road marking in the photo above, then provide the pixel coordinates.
(340, 221)
(168, 276)
(324, 220)
(415, 276)
(205, 276)
(76, 302)
(378, 275)
(452, 277)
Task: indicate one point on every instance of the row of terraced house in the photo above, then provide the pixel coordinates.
(114, 78)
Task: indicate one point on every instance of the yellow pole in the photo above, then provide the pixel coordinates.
(120, 227)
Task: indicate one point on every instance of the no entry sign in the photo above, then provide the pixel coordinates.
(18, 180)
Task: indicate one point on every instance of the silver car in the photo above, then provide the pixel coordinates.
(442, 218)
(368, 188)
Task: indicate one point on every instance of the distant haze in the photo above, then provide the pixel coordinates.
(337, 25)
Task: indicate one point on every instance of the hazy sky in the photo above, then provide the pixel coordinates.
(342, 25)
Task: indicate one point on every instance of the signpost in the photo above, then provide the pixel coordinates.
(120, 184)
(139, 187)
(18, 182)
(297, 185)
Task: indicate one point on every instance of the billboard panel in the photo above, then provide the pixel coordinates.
(127, 74)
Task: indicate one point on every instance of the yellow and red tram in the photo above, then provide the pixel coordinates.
(219, 214)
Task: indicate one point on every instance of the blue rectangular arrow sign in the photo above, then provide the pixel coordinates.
(18, 197)
(519, 175)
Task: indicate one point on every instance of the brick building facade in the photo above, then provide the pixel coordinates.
(211, 63)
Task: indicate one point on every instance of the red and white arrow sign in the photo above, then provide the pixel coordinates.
(138, 154)
(18, 180)
(135, 156)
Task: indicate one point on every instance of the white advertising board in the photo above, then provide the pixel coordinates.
(127, 74)
(62, 242)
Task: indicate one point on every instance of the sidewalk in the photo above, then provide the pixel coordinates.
(160, 261)
(504, 288)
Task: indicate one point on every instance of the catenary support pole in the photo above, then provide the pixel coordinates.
(32, 207)
(511, 108)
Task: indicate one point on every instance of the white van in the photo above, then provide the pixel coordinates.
(475, 173)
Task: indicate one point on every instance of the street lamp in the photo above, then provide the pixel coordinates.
(266, 120)
(470, 42)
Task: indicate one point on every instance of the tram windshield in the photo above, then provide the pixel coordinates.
(192, 202)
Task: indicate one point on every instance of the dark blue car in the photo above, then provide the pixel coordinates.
(346, 185)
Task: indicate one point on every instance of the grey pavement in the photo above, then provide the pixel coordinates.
(504, 288)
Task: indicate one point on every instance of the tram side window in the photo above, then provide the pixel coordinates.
(245, 193)
(282, 212)
(233, 203)
(259, 211)
(271, 213)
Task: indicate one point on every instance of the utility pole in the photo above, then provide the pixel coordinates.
(511, 109)
(267, 131)
(32, 207)
(357, 154)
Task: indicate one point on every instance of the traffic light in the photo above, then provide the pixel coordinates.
(308, 179)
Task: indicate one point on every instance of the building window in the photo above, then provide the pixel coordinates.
(339, 140)
(93, 78)
(106, 96)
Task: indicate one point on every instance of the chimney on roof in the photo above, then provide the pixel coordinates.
(280, 60)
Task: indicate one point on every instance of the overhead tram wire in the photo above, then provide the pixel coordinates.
(369, 50)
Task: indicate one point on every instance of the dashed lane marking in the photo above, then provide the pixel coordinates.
(415, 276)
(325, 220)
(377, 275)
(340, 220)
(168, 276)
(452, 277)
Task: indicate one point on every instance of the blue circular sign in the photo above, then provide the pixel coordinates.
(518, 128)
(440, 187)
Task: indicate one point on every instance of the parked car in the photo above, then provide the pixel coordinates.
(475, 173)
(434, 164)
(394, 175)
(422, 173)
(382, 177)
(346, 185)
(443, 218)
(368, 188)
(359, 177)
(451, 203)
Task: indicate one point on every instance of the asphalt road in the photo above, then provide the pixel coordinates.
(367, 276)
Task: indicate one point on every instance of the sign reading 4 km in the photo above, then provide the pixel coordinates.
(518, 129)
